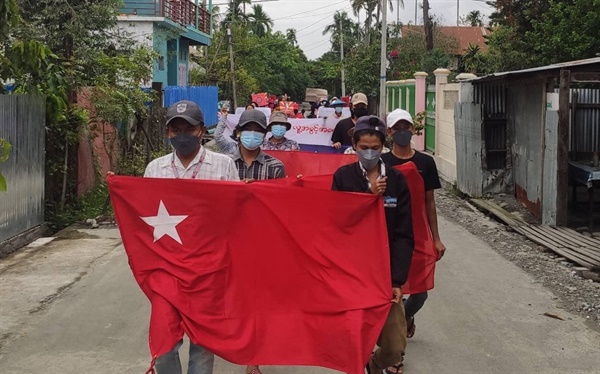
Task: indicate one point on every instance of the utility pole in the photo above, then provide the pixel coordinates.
(342, 55)
(383, 67)
(457, 12)
(416, 11)
(233, 87)
(397, 13)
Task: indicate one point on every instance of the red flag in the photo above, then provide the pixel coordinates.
(317, 171)
(307, 163)
(422, 265)
(260, 273)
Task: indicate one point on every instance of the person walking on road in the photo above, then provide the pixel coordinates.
(371, 175)
(189, 160)
(278, 126)
(401, 127)
(252, 163)
(358, 108)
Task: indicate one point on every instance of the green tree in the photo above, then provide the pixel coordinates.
(326, 73)
(260, 22)
(55, 52)
(474, 18)
(568, 31)
(350, 31)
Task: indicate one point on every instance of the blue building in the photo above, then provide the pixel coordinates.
(169, 27)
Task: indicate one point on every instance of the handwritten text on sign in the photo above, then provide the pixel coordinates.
(312, 131)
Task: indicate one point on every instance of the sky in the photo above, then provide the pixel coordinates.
(309, 17)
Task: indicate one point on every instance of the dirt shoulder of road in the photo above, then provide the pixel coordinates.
(575, 294)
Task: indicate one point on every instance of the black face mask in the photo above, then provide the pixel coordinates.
(359, 112)
(185, 144)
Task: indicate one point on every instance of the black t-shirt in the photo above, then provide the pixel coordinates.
(340, 133)
(424, 163)
(398, 217)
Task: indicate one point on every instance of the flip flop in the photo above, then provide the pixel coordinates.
(410, 327)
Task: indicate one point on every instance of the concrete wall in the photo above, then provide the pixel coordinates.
(526, 120)
(445, 143)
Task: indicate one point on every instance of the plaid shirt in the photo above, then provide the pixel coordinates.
(286, 145)
(264, 167)
(215, 166)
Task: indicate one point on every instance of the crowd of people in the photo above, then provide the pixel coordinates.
(243, 158)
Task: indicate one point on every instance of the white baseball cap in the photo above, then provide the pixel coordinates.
(398, 115)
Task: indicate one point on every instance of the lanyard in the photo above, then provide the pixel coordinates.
(365, 174)
(196, 169)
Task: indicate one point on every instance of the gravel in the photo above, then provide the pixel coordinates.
(574, 293)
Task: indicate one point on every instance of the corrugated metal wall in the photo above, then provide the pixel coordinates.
(22, 121)
(585, 131)
(207, 98)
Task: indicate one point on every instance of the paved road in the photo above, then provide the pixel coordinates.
(484, 316)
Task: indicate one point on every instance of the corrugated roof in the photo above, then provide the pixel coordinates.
(562, 65)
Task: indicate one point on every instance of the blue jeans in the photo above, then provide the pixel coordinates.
(201, 361)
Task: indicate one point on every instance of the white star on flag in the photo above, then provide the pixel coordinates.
(164, 224)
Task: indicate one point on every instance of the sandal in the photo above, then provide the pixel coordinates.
(396, 369)
(254, 370)
(410, 327)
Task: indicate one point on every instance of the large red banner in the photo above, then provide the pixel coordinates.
(317, 173)
(258, 273)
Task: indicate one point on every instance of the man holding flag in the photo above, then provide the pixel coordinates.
(371, 175)
(190, 160)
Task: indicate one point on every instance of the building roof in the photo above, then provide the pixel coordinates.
(590, 64)
(465, 35)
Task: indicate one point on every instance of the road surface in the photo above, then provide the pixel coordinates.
(72, 306)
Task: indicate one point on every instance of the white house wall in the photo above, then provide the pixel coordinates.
(445, 148)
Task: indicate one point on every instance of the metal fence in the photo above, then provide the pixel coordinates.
(207, 98)
(585, 120)
(22, 121)
(430, 119)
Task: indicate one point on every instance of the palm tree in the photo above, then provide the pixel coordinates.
(234, 13)
(474, 18)
(350, 30)
(290, 35)
(373, 10)
(260, 22)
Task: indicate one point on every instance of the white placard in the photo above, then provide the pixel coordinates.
(329, 112)
(311, 131)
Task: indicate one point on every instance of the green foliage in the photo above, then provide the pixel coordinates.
(56, 51)
(269, 63)
(541, 32)
(9, 17)
(326, 73)
(413, 55)
(363, 69)
(91, 205)
(568, 31)
(4, 152)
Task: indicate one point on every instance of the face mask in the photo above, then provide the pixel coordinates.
(185, 143)
(338, 110)
(359, 112)
(251, 140)
(368, 158)
(402, 137)
(278, 131)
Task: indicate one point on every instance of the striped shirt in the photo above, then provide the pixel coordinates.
(285, 145)
(215, 166)
(263, 167)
